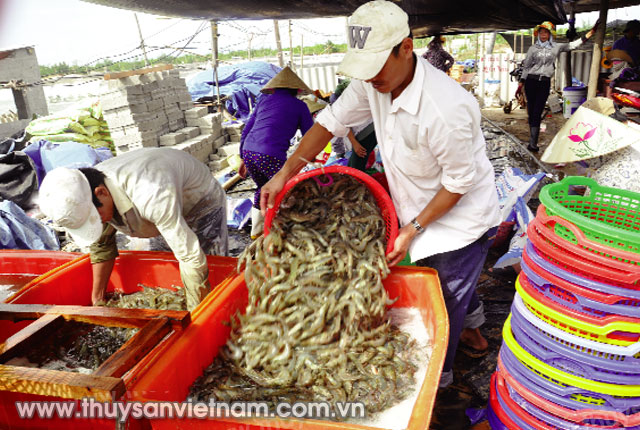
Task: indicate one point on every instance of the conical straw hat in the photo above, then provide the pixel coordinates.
(588, 134)
(287, 78)
(619, 54)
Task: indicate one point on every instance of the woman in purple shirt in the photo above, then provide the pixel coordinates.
(267, 134)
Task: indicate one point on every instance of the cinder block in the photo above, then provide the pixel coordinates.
(151, 88)
(116, 131)
(234, 129)
(154, 105)
(185, 105)
(149, 125)
(230, 149)
(196, 112)
(135, 141)
(235, 138)
(174, 115)
(173, 125)
(219, 142)
(191, 132)
(171, 139)
(120, 99)
(209, 123)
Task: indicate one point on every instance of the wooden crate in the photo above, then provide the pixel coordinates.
(106, 382)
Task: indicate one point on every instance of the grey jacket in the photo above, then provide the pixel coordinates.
(541, 60)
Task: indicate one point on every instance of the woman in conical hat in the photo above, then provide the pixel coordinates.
(538, 67)
(268, 133)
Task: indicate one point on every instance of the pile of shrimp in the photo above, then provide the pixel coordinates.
(316, 326)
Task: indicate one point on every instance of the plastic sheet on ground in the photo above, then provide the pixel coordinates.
(240, 82)
(18, 179)
(519, 240)
(48, 155)
(18, 231)
(511, 185)
(238, 212)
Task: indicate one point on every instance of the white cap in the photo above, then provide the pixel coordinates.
(373, 30)
(65, 196)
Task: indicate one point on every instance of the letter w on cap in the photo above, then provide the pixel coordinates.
(358, 35)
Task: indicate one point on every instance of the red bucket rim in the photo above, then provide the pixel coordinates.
(379, 193)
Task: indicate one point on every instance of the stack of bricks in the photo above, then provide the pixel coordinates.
(155, 109)
(201, 135)
(226, 145)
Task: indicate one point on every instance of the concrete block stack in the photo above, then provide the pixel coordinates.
(142, 109)
(233, 131)
(155, 109)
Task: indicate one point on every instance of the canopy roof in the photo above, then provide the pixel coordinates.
(426, 16)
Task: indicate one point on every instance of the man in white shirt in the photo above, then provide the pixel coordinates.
(433, 150)
(143, 193)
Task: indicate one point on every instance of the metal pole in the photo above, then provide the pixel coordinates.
(214, 42)
(568, 73)
(144, 50)
(276, 29)
(477, 46)
(301, 52)
(249, 50)
(594, 73)
(291, 48)
(522, 43)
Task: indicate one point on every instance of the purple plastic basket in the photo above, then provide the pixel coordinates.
(494, 421)
(585, 346)
(579, 280)
(555, 421)
(571, 397)
(582, 304)
(570, 360)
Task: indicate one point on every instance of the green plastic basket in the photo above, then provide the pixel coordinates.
(610, 216)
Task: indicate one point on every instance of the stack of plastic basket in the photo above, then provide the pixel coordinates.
(570, 357)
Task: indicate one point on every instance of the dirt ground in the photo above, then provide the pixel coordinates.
(516, 124)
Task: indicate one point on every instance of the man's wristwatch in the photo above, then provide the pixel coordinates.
(417, 226)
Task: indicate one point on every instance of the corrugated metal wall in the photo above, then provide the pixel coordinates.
(580, 67)
(493, 72)
(495, 87)
(320, 78)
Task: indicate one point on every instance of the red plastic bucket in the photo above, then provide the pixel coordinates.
(387, 210)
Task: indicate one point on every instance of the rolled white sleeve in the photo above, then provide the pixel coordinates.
(351, 109)
(454, 154)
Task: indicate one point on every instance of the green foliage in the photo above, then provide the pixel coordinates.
(111, 66)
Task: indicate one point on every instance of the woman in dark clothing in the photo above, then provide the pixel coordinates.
(437, 55)
(538, 67)
(267, 134)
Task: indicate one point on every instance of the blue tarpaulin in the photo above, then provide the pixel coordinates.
(18, 231)
(47, 156)
(240, 82)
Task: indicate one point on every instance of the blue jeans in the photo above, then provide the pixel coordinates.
(459, 271)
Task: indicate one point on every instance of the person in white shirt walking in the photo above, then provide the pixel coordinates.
(143, 193)
(433, 151)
